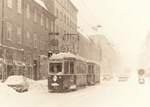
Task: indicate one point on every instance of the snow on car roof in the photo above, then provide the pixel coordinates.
(41, 3)
(15, 80)
(66, 55)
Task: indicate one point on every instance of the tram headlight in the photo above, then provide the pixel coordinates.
(55, 78)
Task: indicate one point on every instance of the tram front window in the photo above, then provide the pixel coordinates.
(55, 68)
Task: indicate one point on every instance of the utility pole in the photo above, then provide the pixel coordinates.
(2, 36)
(2, 22)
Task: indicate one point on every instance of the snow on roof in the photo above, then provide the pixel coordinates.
(41, 3)
(15, 80)
(92, 61)
(66, 55)
(70, 55)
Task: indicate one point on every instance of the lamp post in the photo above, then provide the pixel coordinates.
(96, 28)
(2, 32)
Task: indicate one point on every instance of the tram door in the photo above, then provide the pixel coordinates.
(9, 70)
(73, 77)
(35, 73)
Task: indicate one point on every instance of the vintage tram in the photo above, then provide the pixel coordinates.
(69, 72)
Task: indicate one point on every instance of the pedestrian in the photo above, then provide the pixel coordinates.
(141, 73)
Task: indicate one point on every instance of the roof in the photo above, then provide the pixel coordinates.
(92, 61)
(70, 55)
(66, 55)
(41, 3)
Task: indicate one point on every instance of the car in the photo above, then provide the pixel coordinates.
(123, 78)
(18, 83)
(107, 77)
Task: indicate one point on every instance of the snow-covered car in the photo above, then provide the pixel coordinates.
(107, 77)
(18, 83)
(123, 78)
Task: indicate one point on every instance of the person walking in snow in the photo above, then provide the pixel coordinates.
(141, 73)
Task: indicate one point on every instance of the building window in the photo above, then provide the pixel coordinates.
(35, 41)
(28, 38)
(19, 6)
(51, 26)
(42, 19)
(47, 23)
(9, 3)
(9, 31)
(35, 15)
(57, 13)
(28, 59)
(19, 34)
(42, 45)
(28, 11)
(28, 35)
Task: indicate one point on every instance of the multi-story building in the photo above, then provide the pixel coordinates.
(66, 36)
(109, 57)
(24, 33)
(89, 49)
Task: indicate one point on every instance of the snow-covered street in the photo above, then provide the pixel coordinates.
(107, 94)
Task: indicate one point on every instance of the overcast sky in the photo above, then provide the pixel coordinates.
(125, 22)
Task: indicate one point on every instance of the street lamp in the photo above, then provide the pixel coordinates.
(96, 28)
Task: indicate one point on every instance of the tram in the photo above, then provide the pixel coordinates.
(69, 72)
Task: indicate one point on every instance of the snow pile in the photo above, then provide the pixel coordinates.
(15, 80)
(38, 86)
(34, 86)
(41, 3)
(107, 94)
(5, 90)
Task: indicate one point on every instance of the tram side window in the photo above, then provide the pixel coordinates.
(71, 68)
(77, 68)
(92, 69)
(84, 68)
(66, 67)
(80, 68)
(89, 67)
(55, 67)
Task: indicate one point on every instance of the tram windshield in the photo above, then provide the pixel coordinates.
(55, 68)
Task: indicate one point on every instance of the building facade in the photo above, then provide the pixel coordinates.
(109, 57)
(24, 33)
(88, 49)
(66, 35)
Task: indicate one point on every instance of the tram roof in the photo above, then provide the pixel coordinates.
(94, 62)
(66, 55)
